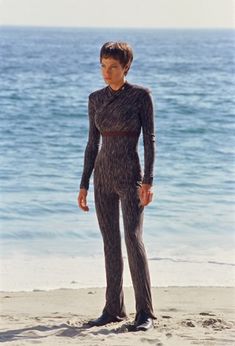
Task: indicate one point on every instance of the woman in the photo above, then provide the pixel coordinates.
(117, 112)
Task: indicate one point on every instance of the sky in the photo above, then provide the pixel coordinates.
(119, 13)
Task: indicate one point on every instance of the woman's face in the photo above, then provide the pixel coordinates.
(112, 71)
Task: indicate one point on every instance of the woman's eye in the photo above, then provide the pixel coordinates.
(111, 67)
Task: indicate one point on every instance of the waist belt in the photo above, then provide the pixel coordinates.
(119, 133)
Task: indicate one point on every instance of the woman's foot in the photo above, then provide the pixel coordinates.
(143, 321)
(105, 318)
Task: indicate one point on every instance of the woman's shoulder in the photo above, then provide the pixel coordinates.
(97, 94)
(143, 93)
(141, 89)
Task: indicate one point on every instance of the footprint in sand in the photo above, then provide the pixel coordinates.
(37, 318)
(156, 342)
(217, 324)
(188, 323)
(169, 335)
(206, 314)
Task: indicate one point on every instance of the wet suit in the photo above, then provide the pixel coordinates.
(118, 117)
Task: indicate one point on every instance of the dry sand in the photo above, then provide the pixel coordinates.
(186, 316)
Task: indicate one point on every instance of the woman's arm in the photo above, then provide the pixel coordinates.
(92, 147)
(148, 128)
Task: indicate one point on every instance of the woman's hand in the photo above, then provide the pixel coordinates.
(146, 194)
(82, 200)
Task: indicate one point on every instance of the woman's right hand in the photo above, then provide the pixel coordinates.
(82, 200)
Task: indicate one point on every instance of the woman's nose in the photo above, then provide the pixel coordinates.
(107, 72)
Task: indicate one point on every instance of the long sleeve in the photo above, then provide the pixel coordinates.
(92, 147)
(148, 128)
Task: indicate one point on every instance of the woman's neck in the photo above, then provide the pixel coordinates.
(118, 86)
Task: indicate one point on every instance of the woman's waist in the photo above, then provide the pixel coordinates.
(121, 133)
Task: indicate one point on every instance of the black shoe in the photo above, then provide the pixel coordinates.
(105, 318)
(143, 321)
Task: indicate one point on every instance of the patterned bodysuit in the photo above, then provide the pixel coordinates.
(118, 117)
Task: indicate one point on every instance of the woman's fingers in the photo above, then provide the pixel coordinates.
(82, 202)
(146, 196)
(83, 205)
(150, 196)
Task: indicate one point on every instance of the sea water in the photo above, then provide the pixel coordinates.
(46, 77)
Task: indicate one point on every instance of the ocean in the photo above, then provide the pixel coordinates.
(46, 77)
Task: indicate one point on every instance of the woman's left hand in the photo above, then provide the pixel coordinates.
(146, 194)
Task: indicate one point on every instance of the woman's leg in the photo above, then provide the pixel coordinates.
(107, 209)
(133, 213)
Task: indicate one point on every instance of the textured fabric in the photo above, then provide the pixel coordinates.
(120, 133)
(107, 200)
(128, 109)
(117, 178)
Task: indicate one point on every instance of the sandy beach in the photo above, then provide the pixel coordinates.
(185, 316)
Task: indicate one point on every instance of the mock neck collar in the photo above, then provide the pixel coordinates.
(123, 87)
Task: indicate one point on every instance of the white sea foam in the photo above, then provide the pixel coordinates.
(27, 272)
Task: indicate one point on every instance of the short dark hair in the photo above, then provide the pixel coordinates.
(120, 51)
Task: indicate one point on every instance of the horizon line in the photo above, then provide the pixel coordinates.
(118, 27)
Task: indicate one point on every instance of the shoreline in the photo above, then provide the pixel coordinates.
(104, 287)
(185, 316)
(75, 272)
